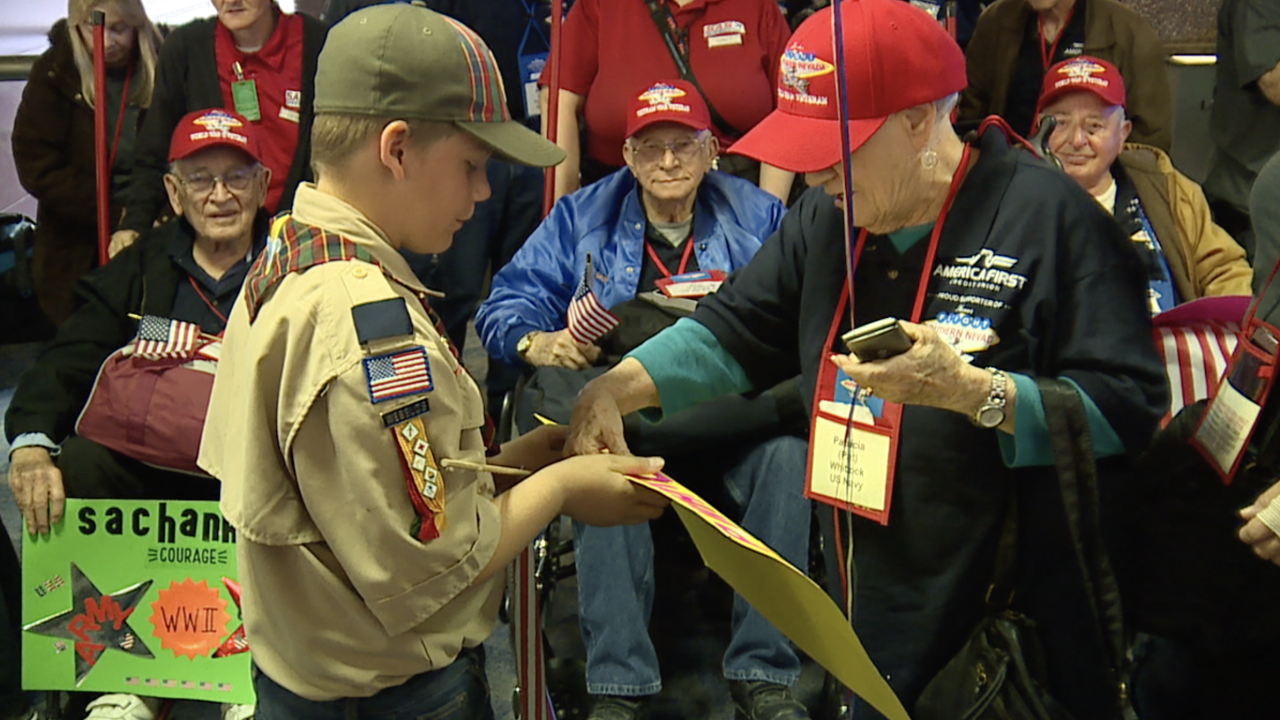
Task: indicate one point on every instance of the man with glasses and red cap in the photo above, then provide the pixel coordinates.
(1164, 212)
(189, 270)
(1000, 274)
(666, 219)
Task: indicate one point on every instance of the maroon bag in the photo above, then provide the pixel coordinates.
(149, 401)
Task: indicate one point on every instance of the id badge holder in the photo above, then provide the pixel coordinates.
(244, 96)
(853, 444)
(1231, 416)
(532, 63)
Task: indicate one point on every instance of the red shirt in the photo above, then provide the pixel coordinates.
(612, 51)
(277, 70)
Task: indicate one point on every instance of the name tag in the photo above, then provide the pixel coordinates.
(1232, 414)
(291, 115)
(723, 40)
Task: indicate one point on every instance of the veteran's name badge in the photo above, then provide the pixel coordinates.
(1232, 414)
(852, 446)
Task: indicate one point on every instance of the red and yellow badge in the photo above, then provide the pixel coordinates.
(422, 477)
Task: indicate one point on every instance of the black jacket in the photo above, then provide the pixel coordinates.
(142, 280)
(1027, 249)
(186, 81)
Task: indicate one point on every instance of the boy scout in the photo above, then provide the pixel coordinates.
(370, 563)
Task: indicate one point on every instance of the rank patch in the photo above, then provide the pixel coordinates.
(422, 478)
(398, 374)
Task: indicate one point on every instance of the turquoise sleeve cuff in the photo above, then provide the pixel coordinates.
(34, 439)
(689, 366)
(1030, 445)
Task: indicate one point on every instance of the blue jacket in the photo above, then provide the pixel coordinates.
(731, 219)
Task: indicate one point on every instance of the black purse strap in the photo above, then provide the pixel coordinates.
(679, 50)
(1078, 479)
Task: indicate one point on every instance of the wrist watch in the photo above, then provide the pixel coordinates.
(525, 343)
(992, 411)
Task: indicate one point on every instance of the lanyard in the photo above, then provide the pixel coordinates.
(206, 300)
(1047, 56)
(662, 267)
(531, 11)
(846, 295)
(124, 104)
(678, 34)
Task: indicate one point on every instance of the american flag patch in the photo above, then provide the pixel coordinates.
(588, 319)
(160, 338)
(398, 374)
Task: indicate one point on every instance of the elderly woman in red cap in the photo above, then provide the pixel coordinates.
(987, 272)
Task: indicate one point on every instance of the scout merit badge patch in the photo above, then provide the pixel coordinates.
(395, 375)
(422, 477)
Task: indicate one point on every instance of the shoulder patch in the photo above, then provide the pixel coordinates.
(398, 374)
(381, 319)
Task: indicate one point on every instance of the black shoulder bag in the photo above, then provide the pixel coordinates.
(679, 48)
(999, 674)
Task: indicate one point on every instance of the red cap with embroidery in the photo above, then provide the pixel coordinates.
(1082, 73)
(897, 56)
(674, 101)
(213, 128)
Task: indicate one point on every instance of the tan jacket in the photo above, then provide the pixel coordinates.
(1112, 32)
(340, 599)
(1204, 261)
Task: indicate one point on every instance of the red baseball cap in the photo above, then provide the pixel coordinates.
(214, 127)
(1082, 73)
(897, 56)
(674, 101)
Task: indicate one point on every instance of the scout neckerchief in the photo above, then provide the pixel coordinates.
(294, 246)
(1231, 416)
(853, 438)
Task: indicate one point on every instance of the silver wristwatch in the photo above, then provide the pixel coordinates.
(992, 412)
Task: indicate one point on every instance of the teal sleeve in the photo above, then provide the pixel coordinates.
(689, 366)
(1029, 446)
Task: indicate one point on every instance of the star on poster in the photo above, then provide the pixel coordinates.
(97, 622)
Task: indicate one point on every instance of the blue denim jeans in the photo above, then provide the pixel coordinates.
(457, 692)
(615, 581)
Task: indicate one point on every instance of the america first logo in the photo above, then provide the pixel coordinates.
(985, 269)
(797, 68)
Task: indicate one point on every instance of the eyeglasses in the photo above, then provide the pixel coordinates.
(1091, 125)
(684, 149)
(202, 183)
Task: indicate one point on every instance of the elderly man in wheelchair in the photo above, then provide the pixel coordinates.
(613, 264)
(146, 329)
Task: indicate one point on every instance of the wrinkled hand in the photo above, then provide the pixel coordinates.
(1255, 533)
(596, 425)
(598, 493)
(930, 373)
(559, 349)
(535, 449)
(120, 240)
(36, 483)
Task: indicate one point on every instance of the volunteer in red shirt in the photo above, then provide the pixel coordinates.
(253, 59)
(612, 50)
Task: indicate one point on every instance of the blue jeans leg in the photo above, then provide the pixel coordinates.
(615, 601)
(769, 483)
(457, 692)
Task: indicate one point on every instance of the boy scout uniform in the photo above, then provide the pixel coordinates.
(337, 398)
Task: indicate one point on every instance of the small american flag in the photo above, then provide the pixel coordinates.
(588, 319)
(160, 338)
(398, 374)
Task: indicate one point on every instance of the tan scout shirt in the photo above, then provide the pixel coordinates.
(340, 599)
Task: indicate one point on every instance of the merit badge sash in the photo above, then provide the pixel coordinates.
(422, 478)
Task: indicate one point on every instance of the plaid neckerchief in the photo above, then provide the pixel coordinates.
(294, 246)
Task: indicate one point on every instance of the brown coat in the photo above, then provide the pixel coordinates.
(1113, 32)
(53, 149)
(1203, 259)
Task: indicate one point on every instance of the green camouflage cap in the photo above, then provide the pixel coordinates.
(409, 62)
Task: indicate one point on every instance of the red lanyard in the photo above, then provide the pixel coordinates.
(846, 295)
(684, 261)
(206, 300)
(1047, 56)
(124, 104)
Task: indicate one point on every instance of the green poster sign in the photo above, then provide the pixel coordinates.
(138, 597)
